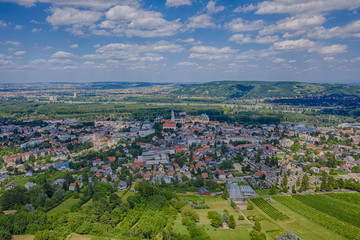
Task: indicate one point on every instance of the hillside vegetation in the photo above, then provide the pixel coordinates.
(247, 89)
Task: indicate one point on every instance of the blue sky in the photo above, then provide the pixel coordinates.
(179, 40)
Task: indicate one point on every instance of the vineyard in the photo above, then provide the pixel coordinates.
(352, 198)
(339, 209)
(324, 212)
(269, 210)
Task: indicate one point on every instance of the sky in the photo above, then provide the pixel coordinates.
(184, 41)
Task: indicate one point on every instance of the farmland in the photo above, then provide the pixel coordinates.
(319, 209)
(269, 210)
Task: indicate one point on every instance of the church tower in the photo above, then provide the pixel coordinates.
(172, 115)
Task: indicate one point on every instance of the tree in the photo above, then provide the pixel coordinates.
(225, 194)
(287, 236)
(284, 184)
(305, 182)
(77, 187)
(224, 217)
(215, 218)
(257, 226)
(274, 190)
(231, 222)
(249, 207)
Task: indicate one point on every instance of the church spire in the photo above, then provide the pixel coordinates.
(172, 115)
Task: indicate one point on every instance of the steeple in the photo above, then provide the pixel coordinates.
(172, 115)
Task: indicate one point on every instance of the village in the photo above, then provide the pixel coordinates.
(180, 150)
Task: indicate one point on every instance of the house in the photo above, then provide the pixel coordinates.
(122, 186)
(204, 175)
(29, 174)
(72, 186)
(59, 181)
(10, 185)
(29, 185)
(204, 192)
(315, 169)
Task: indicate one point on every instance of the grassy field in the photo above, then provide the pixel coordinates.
(178, 227)
(64, 206)
(263, 192)
(304, 227)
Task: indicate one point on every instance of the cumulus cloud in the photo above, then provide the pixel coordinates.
(95, 4)
(212, 53)
(278, 60)
(200, 21)
(299, 44)
(2, 23)
(14, 43)
(245, 8)
(69, 16)
(350, 30)
(241, 25)
(295, 25)
(132, 21)
(332, 49)
(62, 54)
(305, 7)
(177, 3)
(212, 9)
(187, 64)
(129, 52)
(19, 53)
(74, 46)
(242, 39)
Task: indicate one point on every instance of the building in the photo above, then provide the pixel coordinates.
(122, 186)
(204, 192)
(10, 185)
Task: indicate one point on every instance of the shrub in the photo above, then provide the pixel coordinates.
(250, 207)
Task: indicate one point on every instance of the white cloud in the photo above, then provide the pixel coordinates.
(212, 53)
(2, 23)
(241, 25)
(38, 61)
(247, 8)
(200, 21)
(328, 58)
(187, 64)
(242, 39)
(62, 54)
(293, 44)
(177, 3)
(133, 21)
(278, 60)
(212, 9)
(95, 4)
(69, 16)
(74, 46)
(305, 7)
(18, 27)
(122, 52)
(14, 43)
(294, 25)
(350, 30)
(26, 3)
(333, 49)
(19, 53)
(34, 30)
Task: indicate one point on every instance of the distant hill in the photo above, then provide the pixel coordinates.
(257, 89)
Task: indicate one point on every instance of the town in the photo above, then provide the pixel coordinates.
(180, 149)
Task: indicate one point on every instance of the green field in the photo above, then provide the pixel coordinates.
(64, 206)
(337, 216)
